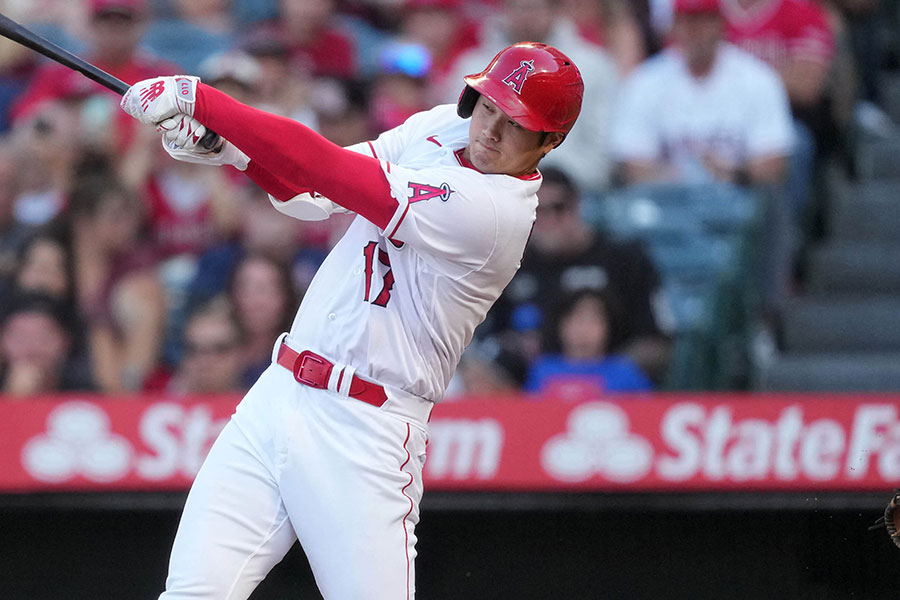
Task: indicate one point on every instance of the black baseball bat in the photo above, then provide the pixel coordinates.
(17, 33)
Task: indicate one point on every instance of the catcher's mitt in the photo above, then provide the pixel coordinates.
(891, 519)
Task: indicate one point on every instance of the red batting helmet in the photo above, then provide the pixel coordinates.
(536, 85)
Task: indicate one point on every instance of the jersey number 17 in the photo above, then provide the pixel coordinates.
(384, 295)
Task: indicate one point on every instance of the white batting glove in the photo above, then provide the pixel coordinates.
(308, 207)
(154, 100)
(181, 140)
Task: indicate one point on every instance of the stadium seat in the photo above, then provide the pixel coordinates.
(866, 211)
(654, 209)
(889, 88)
(830, 373)
(877, 159)
(854, 267)
(701, 239)
(817, 324)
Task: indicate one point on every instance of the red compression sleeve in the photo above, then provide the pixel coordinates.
(271, 184)
(298, 157)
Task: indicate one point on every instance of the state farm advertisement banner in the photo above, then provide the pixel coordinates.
(666, 442)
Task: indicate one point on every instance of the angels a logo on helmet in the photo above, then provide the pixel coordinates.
(516, 79)
(423, 191)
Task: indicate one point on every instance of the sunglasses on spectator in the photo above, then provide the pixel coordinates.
(192, 348)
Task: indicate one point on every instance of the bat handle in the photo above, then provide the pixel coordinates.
(210, 140)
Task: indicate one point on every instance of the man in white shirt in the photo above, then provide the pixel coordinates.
(702, 110)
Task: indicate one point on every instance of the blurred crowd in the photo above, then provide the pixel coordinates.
(124, 271)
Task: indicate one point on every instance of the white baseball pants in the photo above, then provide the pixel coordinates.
(294, 462)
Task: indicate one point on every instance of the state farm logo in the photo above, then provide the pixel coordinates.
(172, 440)
(464, 448)
(710, 442)
(78, 441)
(598, 441)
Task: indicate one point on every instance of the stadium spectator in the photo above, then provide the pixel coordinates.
(565, 255)
(45, 145)
(444, 30)
(17, 68)
(283, 86)
(63, 22)
(854, 90)
(487, 370)
(313, 39)
(585, 151)
(113, 35)
(118, 293)
(234, 72)
(614, 25)
(44, 264)
(702, 110)
(342, 111)
(399, 88)
(196, 30)
(13, 233)
(213, 359)
(794, 37)
(863, 23)
(189, 208)
(578, 360)
(262, 293)
(302, 245)
(35, 339)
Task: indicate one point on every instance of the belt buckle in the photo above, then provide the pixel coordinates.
(320, 367)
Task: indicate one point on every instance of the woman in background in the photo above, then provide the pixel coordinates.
(579, 336)
(263, 296)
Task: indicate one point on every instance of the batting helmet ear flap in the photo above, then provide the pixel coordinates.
(466, 104)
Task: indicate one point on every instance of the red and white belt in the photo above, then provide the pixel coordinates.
(315, 371)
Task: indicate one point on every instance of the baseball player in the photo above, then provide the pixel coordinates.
(328, 446)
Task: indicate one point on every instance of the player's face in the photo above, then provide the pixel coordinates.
(497, 144)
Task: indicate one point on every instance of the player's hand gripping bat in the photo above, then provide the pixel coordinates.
(12, 30)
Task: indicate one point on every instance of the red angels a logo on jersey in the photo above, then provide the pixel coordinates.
(423, 191)
(516, 79)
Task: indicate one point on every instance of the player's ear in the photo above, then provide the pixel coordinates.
(552, 139)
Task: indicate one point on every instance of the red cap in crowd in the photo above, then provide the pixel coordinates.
(693, 7)
(129, 7)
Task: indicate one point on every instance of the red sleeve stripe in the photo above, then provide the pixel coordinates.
(399, 222)
(412, 506)
(372, 148)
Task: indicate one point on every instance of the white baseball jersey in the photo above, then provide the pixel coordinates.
(738, 112)
(396, 305)
(401, 305)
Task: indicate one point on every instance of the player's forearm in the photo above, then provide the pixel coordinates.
(297, 157)
(270, 183)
